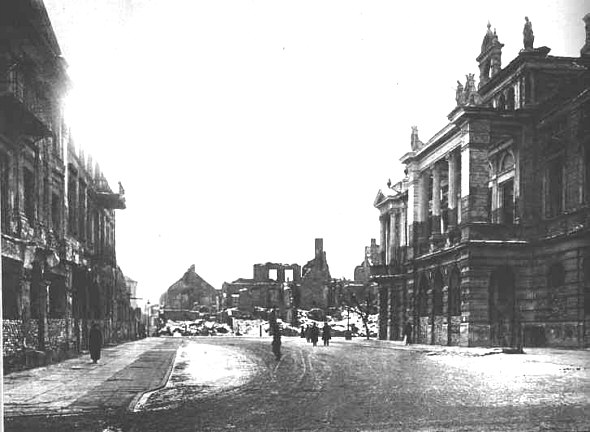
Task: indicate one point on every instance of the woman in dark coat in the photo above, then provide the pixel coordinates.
(95, 342)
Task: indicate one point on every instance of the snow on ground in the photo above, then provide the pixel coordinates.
(260, 327)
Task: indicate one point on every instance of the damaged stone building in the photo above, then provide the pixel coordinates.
(273, 286)
(189, 297)
(59, 268)
(485, 241)
(284, 286)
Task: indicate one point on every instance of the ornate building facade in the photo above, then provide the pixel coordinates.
(59, 269)
(486, 240)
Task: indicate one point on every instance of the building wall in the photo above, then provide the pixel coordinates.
(58, 221)
(499, 200)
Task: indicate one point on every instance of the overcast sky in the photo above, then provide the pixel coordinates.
(243, 130)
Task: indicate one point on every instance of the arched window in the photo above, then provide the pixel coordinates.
(507, 162)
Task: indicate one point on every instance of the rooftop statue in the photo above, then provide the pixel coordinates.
(527, 34)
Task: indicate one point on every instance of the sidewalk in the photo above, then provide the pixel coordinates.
(578, 357)
(121, 376)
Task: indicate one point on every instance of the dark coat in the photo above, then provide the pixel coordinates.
(327, 332)
(315, 333)
(95, 342)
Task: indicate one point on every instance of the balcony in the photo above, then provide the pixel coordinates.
(110, 200)
(21, 106)
(394, 267)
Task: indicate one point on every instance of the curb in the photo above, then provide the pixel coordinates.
(137, 397)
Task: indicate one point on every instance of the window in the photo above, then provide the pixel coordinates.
(4, 180)
(490, 204)
(81, 210)
(507, 162)
(507, 189)
(10, 289)
(454, 293)
(55, 213)
(555, 280)
(510, 99)
(437, 295)
(57, 298)
(423, 298)
(29, 192)
(272, 274)
(554, 187)
(72, 225)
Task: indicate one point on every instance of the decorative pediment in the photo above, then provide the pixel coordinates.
(379, 198)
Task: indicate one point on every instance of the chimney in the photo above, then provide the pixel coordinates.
(319, 248)
(585, 51)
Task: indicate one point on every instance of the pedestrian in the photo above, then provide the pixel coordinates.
(308, 333)
(95, 342)
(276, 340)
(315, 334)
(408, 332)
(302, 331)
(326, 334)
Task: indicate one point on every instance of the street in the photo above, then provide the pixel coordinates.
(233, 383)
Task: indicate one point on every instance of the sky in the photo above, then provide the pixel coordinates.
(243, 130)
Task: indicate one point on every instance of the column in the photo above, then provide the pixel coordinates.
(452, 199)
(382, 245)
(423, 206)
(435, 229)
(403, 230)
(393, 241)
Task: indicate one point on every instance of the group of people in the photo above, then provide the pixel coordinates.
(312, 333)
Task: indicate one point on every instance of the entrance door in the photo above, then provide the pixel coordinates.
(501, 307)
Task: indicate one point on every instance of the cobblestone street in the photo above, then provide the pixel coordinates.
(358, 385)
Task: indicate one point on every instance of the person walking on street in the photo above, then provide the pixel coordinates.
(276, 340)
(95, 342)
(326, 334)
(408, 332)
(315, 333)
(308, 333)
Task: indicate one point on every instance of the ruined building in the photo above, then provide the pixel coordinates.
(316, 290)
(486, 240)
(362, 273)
(59, 268)
(273, 286)
(285, 287)
(189, 296)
